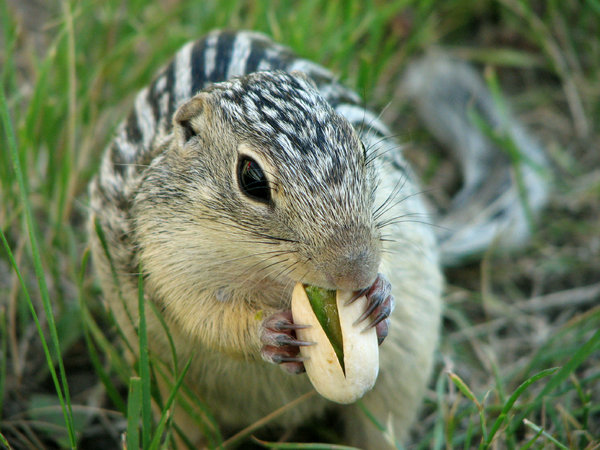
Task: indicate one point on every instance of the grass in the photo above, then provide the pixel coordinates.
(519, 361)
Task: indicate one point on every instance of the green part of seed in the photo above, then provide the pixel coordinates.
(323, 303)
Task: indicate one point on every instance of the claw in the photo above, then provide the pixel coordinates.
(280, 345)
(278, 359)
(380, 304)
(356, 296)
(382, 330)
(372, 307)
(378, 319)
(290, 326)
(284, 339)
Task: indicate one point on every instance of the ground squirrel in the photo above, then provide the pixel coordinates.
(243, 169)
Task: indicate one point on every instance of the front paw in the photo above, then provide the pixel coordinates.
(380, 304)
(280, 345)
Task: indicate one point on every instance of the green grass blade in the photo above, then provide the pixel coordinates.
(34, 315)
(438, 428)
(115, 356)
(3, 359)
(462, 387)
(70, 161)
(533, 440)
(111, 390)
(595, 5)
(585, 398)
(469, 436)
(134, 408)
(165, 327)
(7, 81)
(370, 416)
(144, 367)
(548, 436)
(166, 409)
(63, 393)
(113, 270)
(511, 401)
(196, 409)
(467, 392)
(4, 442)
(581, 355)
(376, 422)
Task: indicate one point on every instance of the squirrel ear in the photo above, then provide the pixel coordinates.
(187, 118)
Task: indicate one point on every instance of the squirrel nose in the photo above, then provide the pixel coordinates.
(355, 271)
(349, 258)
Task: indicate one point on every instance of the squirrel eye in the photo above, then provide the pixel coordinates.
(252, 180)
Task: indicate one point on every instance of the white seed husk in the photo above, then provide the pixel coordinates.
(361, 352)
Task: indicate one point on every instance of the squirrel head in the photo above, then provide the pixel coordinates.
(263, 180)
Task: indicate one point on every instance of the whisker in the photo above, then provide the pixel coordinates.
(378, 153)
(269, 270)
(399, 201)
(407, 214)
(431, 224)
(273, 254)
(286, 270)
(383, 208)
(130, 165)
(402, 244)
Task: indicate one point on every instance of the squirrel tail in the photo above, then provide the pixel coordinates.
(505, 173)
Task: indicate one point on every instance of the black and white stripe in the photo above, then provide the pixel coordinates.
(220, 56)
